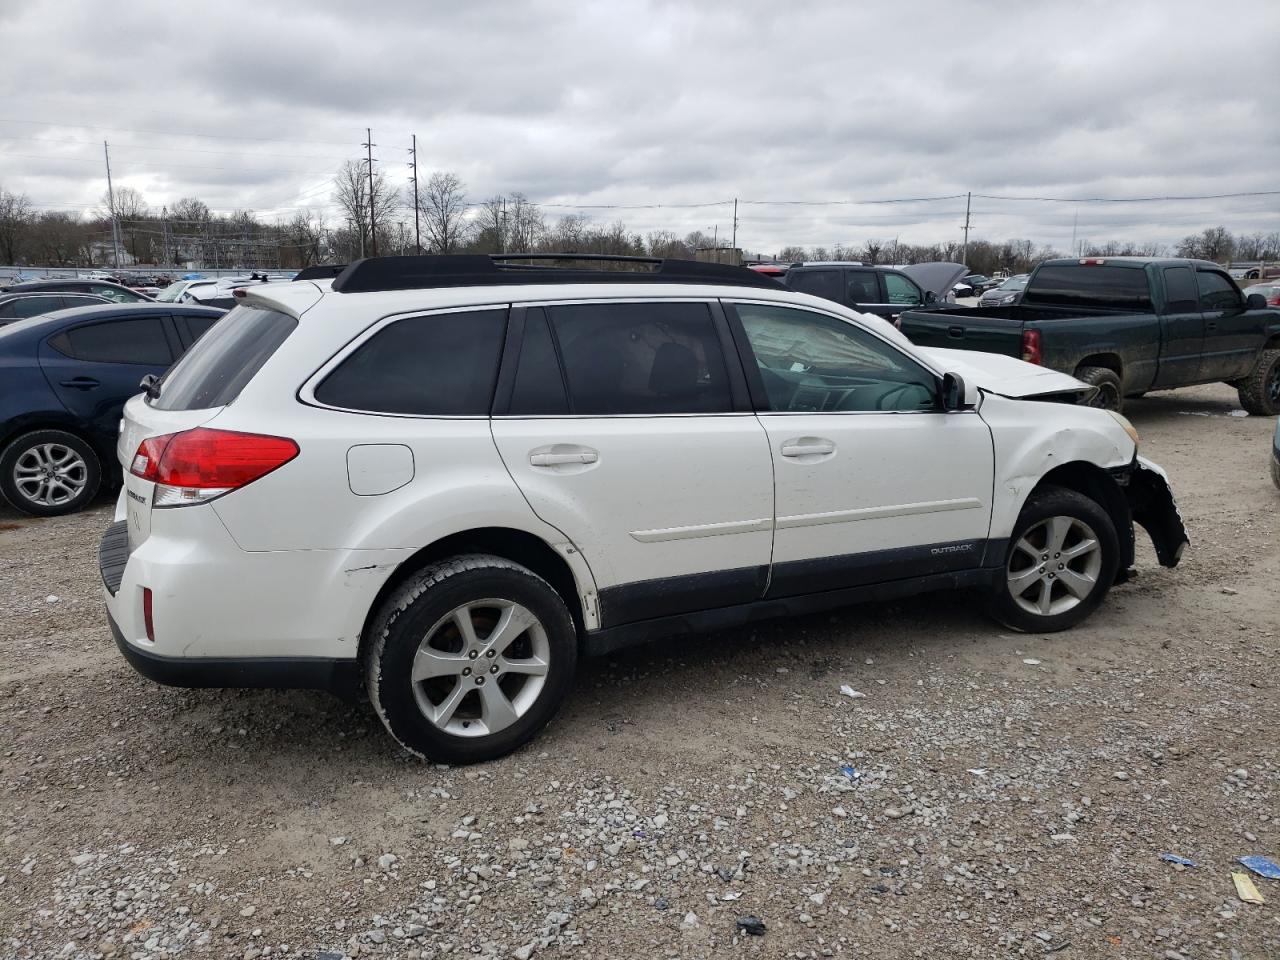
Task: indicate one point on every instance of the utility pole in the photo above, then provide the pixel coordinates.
(373, 225)
(735, 224)
(111, 202)
(964, 254)
(1075, 222)
(417, 229)
(502, 226)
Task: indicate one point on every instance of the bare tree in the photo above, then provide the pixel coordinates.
(16, 215)
(490, 233)
(352, 194)
(444, 206)
(664, 243)
(305, 233)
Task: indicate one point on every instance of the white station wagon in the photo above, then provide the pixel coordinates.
(449, 477)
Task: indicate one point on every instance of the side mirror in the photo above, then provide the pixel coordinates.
(956, 394)
(930, 297)
(1255, 301)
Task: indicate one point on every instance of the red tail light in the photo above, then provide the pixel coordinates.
(1031, 346)
(200, 464)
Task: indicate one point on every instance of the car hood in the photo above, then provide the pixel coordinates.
(937, 278)
(1006, 376)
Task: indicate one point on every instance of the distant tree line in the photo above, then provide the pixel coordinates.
(377, 216)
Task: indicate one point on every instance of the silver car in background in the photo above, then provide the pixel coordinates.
(1009, 291)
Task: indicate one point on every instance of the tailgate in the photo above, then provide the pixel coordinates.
(963, 330)
(140, 421)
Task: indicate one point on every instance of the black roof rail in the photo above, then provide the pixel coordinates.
(477, 270)
(321, 271)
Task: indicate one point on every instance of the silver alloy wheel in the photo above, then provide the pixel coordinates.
(50, 474)
(481, 667)
(1054, 566)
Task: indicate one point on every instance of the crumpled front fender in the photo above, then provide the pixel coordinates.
(1153, 508)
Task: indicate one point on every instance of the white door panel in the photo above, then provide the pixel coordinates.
(648, 498)
(890, 481)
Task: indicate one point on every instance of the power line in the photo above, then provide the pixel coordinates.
(1210, 196)
(176, 133)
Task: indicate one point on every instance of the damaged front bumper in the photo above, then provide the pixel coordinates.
(1153, 508)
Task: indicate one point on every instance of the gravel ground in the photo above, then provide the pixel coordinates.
(992, 795)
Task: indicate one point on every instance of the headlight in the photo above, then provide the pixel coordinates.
(1126, 426)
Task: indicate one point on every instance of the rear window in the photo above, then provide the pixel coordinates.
(1080, 285)
(441, 365)
(214, 371)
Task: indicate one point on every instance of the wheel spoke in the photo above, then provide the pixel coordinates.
(1059, 528)
(514, 621)
(1080, 549)
(1046, 597)
(1026, 547)
(428, 663)
(534, 667)
(462, 620)
(1079, 584)
(26, 470)
(495, 709)
(447, 707)
(1019, 582)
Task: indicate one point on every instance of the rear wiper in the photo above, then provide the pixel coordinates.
(151, 386)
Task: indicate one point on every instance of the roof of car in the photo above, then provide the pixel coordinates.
(1130, 261)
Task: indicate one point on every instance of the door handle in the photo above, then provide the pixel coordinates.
(555, 459)
(80, 383)
(807, 448)
(956, 332)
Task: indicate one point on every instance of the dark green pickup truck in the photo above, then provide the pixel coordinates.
(1126, 325)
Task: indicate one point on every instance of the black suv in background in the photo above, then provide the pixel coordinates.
(883, 291)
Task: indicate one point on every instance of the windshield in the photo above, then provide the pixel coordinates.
(170, 293)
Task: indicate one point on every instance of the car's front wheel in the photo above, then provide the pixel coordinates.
(470, 658)
(1062, 560)
(49, 472)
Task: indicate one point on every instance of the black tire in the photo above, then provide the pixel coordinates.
(1260, 390)
(86, 473)
(1045, 505)
(421, 610)
(1110, 395)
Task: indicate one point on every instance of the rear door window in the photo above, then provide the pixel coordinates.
(820, 283)
(863, 286)
(441, 365)
(641, 358)
(133, 340)
(1180, 292)
(539, 388)
(214, 371)
(34, 306)
(1217, 292)
(193, 328)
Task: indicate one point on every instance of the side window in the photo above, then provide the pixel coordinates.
(1217, 292)
(820, 283)
(814, 363)
(7, 310)
(641, 358)
(34, 306)
(539, 387)
(136, 340)
(901, 290)
(116, 294)
(196, 326)
(441, 365)
(1180, 292)
(863, 286)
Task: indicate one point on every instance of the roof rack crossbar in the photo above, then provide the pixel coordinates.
(469, 270)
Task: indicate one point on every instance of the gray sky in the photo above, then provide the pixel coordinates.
(667, 103)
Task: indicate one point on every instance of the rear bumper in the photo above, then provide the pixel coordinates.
(282, 673)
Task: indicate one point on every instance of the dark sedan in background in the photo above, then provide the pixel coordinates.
(66, 377)
(102, 288)
(19, 306)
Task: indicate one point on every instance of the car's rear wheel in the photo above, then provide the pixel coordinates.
(47, 473)
(1109, 395)
(1260, 391)
(470, 658)
(1062, 561)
